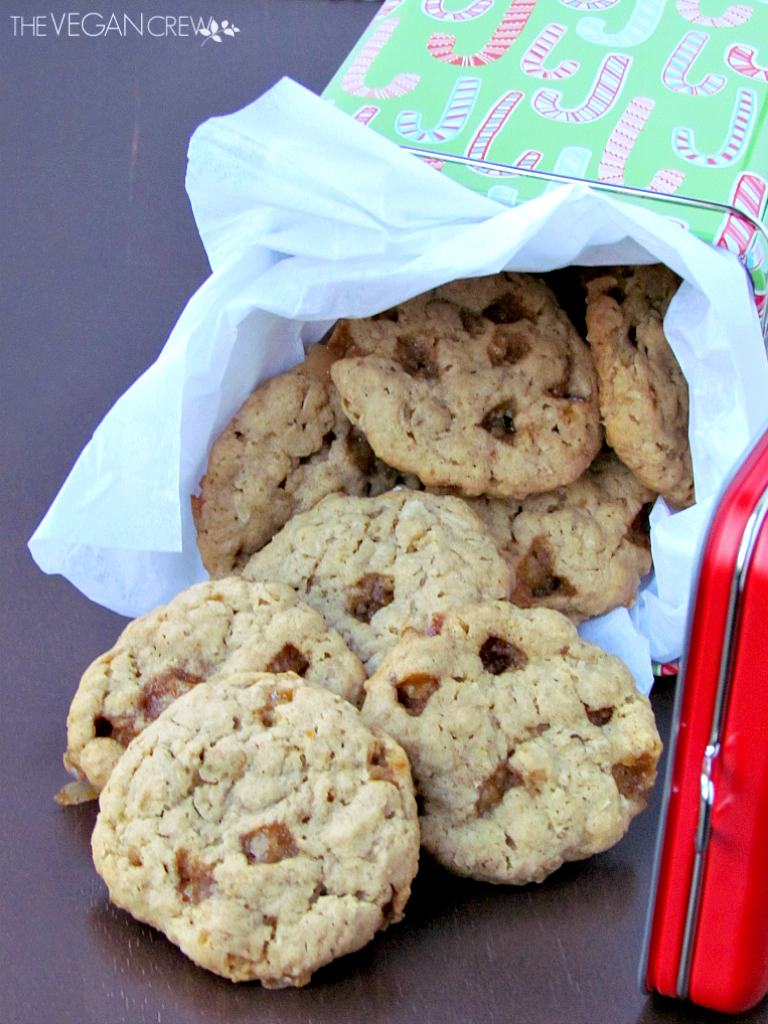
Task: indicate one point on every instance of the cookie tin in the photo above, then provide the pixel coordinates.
(706, 934)
(650, 98)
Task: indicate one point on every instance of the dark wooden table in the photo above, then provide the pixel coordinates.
(100, 255)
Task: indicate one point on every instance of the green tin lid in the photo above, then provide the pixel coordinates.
(667, 96)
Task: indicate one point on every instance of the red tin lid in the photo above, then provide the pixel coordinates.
(706, 936)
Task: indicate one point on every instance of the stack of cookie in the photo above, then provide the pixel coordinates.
(246, 810)
(401, 533)
(483, 389)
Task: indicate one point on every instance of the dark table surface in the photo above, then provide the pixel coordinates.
(100, 255)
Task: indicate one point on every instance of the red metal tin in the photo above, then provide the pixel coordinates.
(707, 931)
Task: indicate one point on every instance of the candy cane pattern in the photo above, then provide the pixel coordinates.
(492, 124)
(666, 180)
(386, 9)
(605, 90)
(589, 5)
(354, 80)
(642, 23)
(737, 14)
(365, 114)
(435, 9)
(503, 194)
(526, 161)
(739, 132)
(572, 161)
(512, 24)
(675, 72)
(532, 61)
(621, 142)
(457, 110)
(748, 194)
(742, 59)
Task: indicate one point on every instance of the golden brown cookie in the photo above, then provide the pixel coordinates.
(288, 446)
(581, 549)
(262, 826)
(223, 626)
(481, 385)
(643, 393)
(529, 747)
(375, 566)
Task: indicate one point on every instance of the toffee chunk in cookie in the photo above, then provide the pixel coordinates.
(482, 385)
(211, 628)
(643, 393)
(262, 826)
(375, 566)
(581, 549)
(529, 747)
(289, 445)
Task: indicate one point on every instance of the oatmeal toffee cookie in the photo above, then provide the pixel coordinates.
(225, 626)
(581, 549)
(482, 385)
(528, 746)
(375, 566)
(288, 446)
(262, 827)
(643, 393)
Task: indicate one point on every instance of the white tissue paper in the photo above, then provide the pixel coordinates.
(308, 216)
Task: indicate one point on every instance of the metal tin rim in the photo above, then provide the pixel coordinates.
(603, 186)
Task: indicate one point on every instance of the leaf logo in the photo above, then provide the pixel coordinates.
(215, 31)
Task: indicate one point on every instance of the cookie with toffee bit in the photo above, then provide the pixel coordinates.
(375, 566)
(482, 385)
(643, 393)
(228, 625)
(262, 826)
(289, 445)
(529, 747)
(581, 549)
